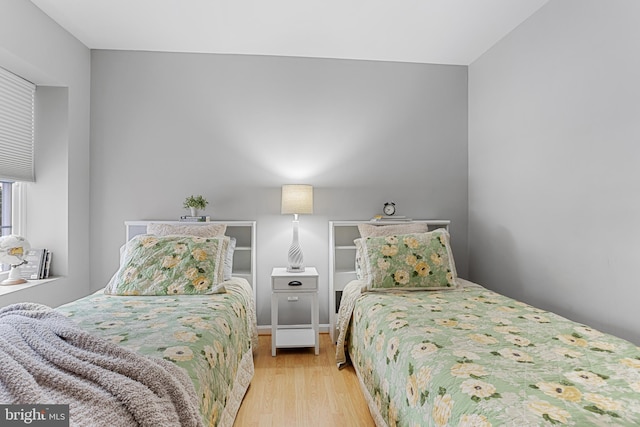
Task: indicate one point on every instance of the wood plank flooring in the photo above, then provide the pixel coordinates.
(298, 388)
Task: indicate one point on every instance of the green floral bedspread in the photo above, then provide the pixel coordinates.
(471, 357)
(210, 336)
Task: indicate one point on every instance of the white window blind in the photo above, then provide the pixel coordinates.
(17, 104)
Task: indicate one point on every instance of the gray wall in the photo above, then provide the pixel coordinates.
(554, 174)
(235, 128)
(39, 50)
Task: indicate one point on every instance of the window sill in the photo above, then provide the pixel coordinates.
(8, 289)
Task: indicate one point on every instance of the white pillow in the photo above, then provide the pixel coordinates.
(205, 230)
(372, 230)
(228, 262)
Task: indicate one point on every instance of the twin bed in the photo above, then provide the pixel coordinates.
(183, 295)
(431, 349)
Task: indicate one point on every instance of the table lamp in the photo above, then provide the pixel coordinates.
(12, 251)
(296, 199)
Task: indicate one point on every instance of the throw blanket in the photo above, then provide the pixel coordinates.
(46, 359)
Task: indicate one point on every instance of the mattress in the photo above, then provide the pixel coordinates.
(211, 336)
(472, 357)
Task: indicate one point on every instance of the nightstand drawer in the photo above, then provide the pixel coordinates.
(295, 283)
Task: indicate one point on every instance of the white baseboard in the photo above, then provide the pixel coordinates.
(266, 329)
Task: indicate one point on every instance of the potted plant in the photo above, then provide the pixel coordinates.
(194, 203)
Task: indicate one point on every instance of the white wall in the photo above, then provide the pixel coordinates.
(39, 50)
(235, 128)
(554, 176)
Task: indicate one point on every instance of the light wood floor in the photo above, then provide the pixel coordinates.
(298, 388)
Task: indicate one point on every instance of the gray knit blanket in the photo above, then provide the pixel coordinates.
(46, 359)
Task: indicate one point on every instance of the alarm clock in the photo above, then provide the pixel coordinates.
(389, 208)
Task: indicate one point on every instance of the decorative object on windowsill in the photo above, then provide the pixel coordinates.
(12, 251)
(296, 199)
(195, 203)
(35, 264)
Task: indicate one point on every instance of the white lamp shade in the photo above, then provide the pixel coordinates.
(13, 249)
(297, 199)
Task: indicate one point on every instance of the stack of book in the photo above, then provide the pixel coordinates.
(390, 218)
(201, 218)
(37, 266)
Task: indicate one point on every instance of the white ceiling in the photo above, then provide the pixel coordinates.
(424, 31)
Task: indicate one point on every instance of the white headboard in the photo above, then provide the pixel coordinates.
(244, 257)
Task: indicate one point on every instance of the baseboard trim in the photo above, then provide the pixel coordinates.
(266, 329)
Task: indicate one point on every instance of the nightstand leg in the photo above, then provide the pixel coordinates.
(274, 322)
(316, 321)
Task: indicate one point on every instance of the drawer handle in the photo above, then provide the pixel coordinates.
(295, 283)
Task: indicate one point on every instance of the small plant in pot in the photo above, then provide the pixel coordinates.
(195, 203)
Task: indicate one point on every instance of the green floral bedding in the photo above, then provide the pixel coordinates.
(471, 357)
(211, 336)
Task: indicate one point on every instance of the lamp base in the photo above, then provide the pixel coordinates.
(8, 282)
(296, 259)
(14, 276)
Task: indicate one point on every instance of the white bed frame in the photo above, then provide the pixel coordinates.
(244, 257)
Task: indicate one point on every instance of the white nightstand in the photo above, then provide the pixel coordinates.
(294, 285)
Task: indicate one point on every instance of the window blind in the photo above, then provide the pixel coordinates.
(17, 105)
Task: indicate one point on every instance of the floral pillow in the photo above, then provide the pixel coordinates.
(380, 230)
(361, 272)
(163, 265)
(421, 261)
